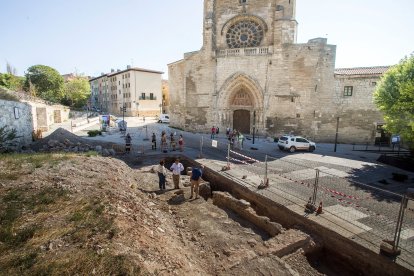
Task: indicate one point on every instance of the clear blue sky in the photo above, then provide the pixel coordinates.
(92, 36)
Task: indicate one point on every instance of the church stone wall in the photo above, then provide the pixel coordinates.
(293, 86)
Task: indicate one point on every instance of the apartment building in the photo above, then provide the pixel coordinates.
(138, 90)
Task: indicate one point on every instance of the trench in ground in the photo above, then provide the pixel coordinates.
(320, 259)
(336, 255)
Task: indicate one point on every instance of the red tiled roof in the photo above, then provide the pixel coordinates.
(375, 70)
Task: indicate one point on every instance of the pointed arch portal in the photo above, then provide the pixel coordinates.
(239, 98)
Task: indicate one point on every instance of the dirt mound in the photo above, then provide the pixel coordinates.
(62, 136)
(90, 215)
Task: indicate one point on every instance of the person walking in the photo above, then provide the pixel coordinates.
(154, 142)
(176, 169)
(164, 145)
(172, 142)
(217, 130)
(181, 143)
(128, 140)
(195, 179)
(162, 172)
(213, 132)
(241, 140)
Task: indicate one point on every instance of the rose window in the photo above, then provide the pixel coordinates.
(244, 34)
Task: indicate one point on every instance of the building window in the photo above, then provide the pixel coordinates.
(244, 34)
(374, 83)
(348, 91)
(243, 1)
(142, 96)
(151, 96)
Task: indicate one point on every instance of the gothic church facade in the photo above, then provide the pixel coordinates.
(252, 75)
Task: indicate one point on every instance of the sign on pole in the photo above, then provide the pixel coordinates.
(214, 143)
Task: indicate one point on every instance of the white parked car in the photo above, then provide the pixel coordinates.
(294, 143)
(164, 118)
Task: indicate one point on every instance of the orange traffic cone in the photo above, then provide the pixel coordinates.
(319, 210)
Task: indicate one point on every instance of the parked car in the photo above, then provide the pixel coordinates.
(164, 118)
(294, 143)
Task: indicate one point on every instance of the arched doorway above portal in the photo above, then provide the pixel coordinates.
(238, 99)
(232, 88)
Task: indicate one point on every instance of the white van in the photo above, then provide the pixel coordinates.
(164, 118)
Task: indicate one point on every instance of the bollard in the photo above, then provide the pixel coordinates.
(265, 180)
(319, 210)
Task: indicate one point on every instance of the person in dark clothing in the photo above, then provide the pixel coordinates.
(196, 175)
(162, 172)
(128, 140)
(154, 142)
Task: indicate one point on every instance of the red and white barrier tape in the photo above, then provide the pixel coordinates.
(245, 156)
(241, 161)
(244, 162)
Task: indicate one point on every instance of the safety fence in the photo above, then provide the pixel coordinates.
(370, 215)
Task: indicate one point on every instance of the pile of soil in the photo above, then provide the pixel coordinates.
(90, 215)
(63, 136)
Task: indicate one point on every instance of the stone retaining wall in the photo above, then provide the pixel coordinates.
(339, 249)
(17, 115)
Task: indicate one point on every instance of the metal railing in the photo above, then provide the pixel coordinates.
(367, 214)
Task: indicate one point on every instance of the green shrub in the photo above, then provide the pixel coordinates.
(93, 133)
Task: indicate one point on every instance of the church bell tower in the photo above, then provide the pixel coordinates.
(285, 24)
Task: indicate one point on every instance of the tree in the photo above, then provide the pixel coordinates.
(11, 69)
(12, 82)
(47, 81)
(394, 96)
(76, 92)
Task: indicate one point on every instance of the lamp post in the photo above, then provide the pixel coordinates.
(160, 108)
(336, 135)
(254, 125)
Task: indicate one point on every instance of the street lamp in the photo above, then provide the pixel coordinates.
(336, 135)
(160, 108)
(254, 125)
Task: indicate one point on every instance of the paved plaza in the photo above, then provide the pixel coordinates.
(360, 199)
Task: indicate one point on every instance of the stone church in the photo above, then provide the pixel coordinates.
(252, 75)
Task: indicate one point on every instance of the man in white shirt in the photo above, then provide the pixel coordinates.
(176, 169)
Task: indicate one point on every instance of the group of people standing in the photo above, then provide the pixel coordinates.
(214, 131)
(236, 138)
(172, 145)
(177, 168)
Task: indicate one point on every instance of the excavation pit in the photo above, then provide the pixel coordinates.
(335, 254)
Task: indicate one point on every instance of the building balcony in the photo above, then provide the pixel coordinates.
(148, 98)
(258, 51)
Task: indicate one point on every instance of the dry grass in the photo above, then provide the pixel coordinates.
(14, 165)
(74, 222)
(32, 218)
(4, 95)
